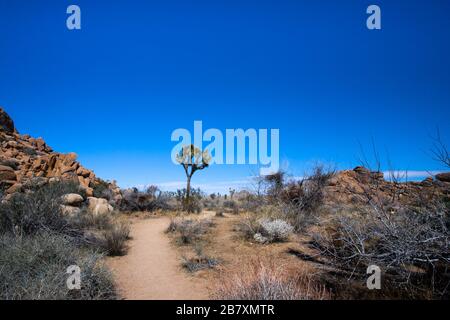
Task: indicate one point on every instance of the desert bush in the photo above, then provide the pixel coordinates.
(34, 268)
(302, 200)
(251, 202)
(200, 262)
(231, 206)
(150, 200)
(259, 280)
(115, 237)
(264, 227)
(411, 246)
(276, 230)
(102, 190)
(249, 226)
(86, 220)
(219, 214)
(35, 210)
(189, 230)
(193, 203)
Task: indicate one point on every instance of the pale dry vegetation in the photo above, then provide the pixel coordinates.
(38, 243)
(268, 280)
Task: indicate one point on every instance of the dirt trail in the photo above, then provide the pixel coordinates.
(151, 270)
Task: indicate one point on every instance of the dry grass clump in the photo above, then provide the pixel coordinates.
(201, 261)
(267, 280)
(115, 238)
(189, 230)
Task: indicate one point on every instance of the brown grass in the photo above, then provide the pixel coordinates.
(268, 280)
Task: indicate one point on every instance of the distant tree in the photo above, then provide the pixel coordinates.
(232, 192)
(192, 159)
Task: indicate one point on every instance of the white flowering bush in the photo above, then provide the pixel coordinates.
(274, 230)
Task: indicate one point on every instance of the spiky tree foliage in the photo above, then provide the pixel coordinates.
(192, 159)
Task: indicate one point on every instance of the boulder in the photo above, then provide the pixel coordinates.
(7, 173)
(99, 206)
(444, 177)
(72, 199)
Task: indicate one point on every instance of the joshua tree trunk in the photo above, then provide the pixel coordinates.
(188, 188)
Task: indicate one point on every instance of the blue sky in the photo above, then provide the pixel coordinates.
(114, 91)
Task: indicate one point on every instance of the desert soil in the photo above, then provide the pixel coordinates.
(152, 268)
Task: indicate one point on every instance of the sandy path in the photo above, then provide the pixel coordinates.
(151, 270)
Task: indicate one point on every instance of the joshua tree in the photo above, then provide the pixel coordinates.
(232, 192)
(192, 159)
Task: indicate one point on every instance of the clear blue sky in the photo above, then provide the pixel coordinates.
(114, 91)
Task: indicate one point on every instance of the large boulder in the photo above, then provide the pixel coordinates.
(7, 173)
(72, 199)
(99, 206)
(444, 177)
(6, 123)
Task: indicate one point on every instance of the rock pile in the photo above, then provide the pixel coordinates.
(24, 159)
(353, 186)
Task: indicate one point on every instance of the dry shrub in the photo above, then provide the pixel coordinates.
(268, 280)
(248, 226)
(189, 230)
(201, 261)
(39, 208)
(150, 200)
(33, 267)
(219, 214)
(115, 238)
(301, 200)
(86, 220)
(410, 246)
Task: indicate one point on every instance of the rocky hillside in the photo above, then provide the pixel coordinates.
(361, 184)
(24, 159)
